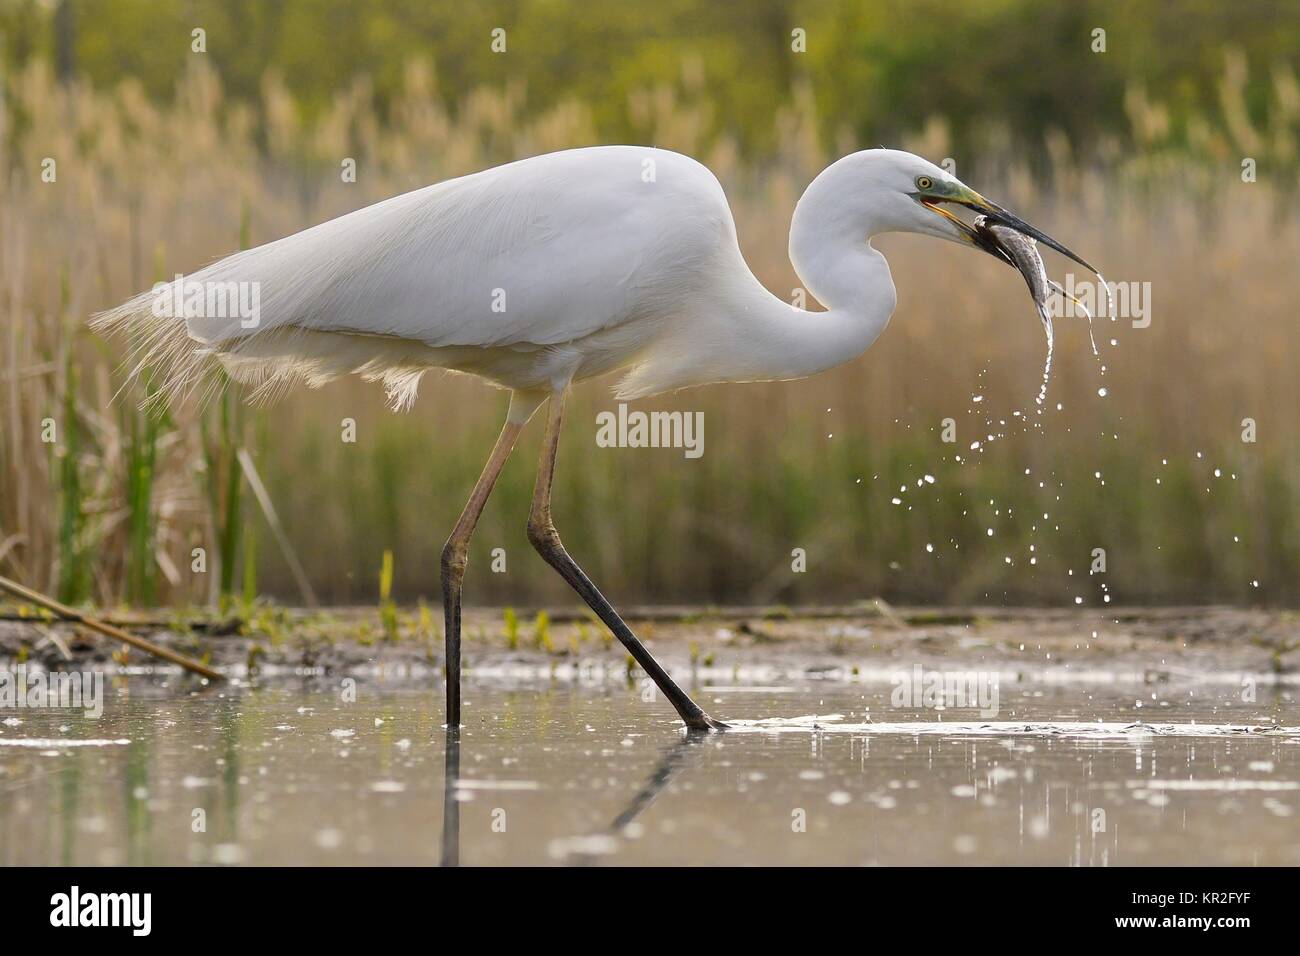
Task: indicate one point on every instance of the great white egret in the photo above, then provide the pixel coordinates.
(545, 272)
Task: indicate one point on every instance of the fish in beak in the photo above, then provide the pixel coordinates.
(1005, 236)
(994, 215)
(1008, 237)
(1023, 253)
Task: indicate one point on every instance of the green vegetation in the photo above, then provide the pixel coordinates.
(387, 609)
(875, 70)
(167, 159)
(512, 628)
(542, 633)
(72, 553)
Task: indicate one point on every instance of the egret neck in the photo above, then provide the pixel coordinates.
(836, 263)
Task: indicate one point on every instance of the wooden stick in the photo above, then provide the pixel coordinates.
(71, 614)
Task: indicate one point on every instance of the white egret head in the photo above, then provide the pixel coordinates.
(897, 191)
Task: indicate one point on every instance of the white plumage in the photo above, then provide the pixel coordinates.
(521, 274)
(548, 270)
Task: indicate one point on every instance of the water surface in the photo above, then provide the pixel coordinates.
(298, 772)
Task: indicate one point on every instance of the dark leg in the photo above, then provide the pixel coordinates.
(542, 533)
(455, 555)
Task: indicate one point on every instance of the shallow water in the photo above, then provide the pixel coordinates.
(292, 772)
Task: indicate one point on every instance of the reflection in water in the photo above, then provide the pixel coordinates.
(228, 707)
(299, 774)
(450, 805)
(676, 756)
(69, 788)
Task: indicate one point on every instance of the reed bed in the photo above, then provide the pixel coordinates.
(101, 501)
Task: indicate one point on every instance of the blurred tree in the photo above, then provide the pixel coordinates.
(64, 40)
(877, 68)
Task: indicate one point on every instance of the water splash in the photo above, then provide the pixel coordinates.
(1046, 318)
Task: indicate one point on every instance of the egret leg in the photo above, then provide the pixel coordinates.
(455, 556)
(544, 537)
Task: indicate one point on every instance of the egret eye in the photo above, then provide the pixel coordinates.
(924, 182)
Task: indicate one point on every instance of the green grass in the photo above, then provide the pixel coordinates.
(512, 628)
(387, 608)
(542, 633)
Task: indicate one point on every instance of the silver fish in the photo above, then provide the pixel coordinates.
(1023, 253)
(1022, 250)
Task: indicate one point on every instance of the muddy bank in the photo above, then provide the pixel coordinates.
(1158, 643)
